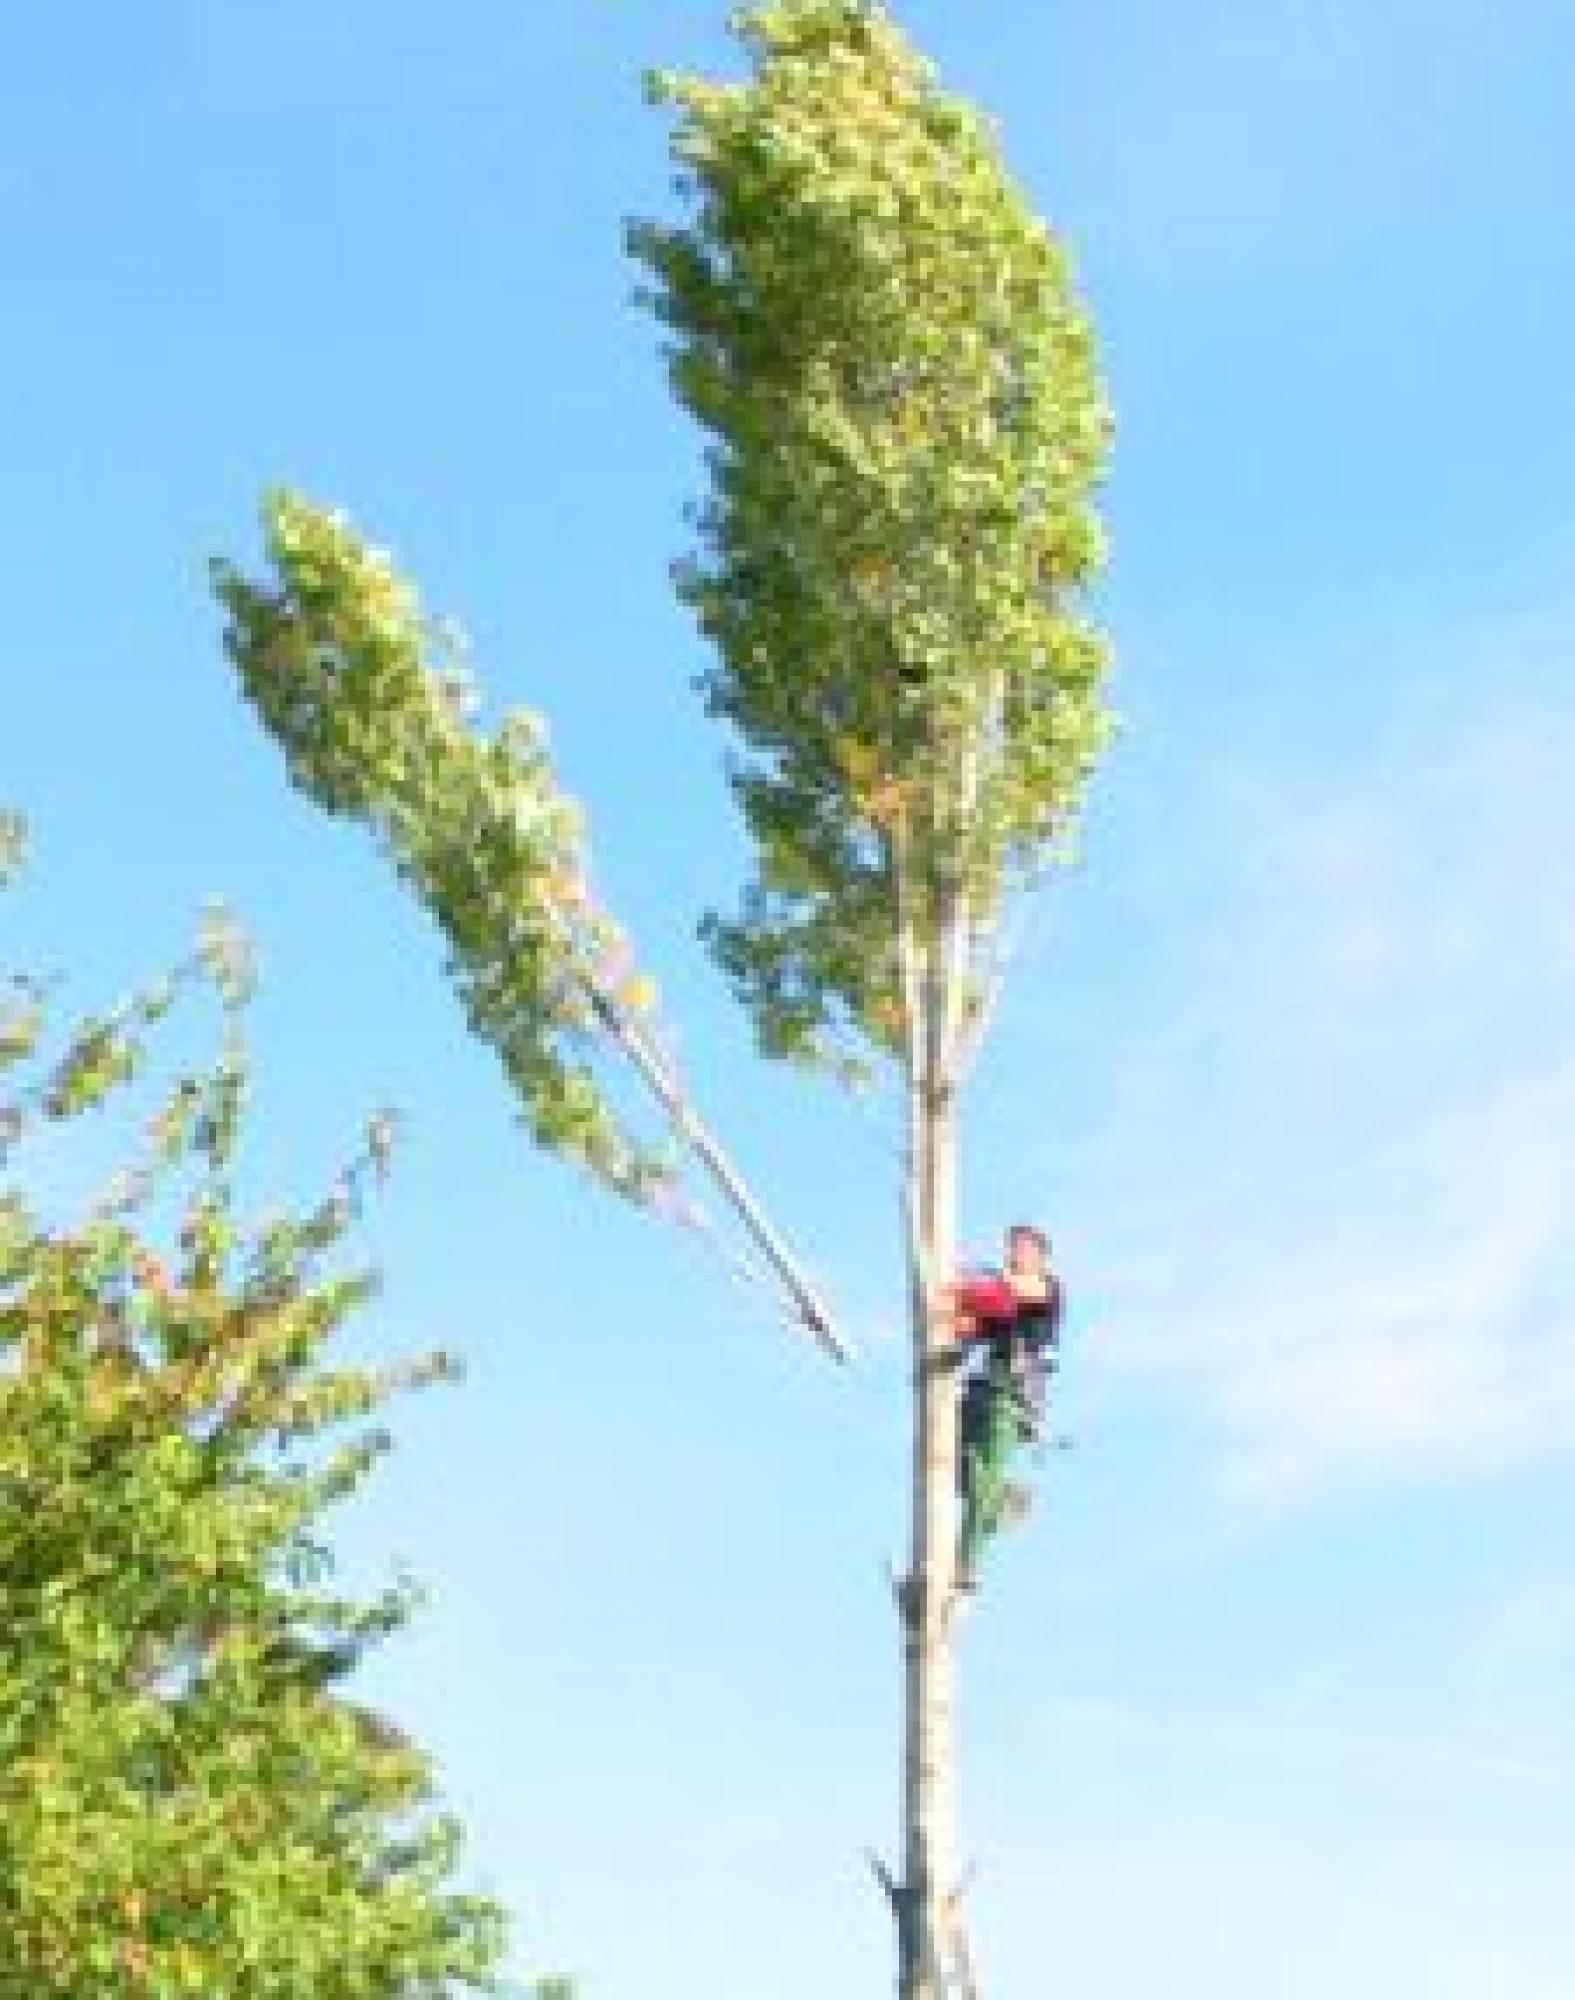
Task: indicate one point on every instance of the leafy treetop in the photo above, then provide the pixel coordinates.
(882, 343)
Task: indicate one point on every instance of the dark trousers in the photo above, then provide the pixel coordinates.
(993, 1429)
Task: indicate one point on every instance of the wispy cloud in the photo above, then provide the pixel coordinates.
(1352, 1251)
(1271, 1740)
(1434, 1325)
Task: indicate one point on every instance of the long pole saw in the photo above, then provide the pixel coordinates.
(660, 1080)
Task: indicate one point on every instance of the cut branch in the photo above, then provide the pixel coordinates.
(664, 1085)
(887, 1881)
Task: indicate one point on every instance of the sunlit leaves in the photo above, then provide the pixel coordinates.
(190, 1801)
(13, 844)
(371, 702)
(882, 343)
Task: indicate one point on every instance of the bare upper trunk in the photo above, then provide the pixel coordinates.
(927, 1898)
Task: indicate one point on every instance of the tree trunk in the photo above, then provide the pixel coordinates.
(927, 1897)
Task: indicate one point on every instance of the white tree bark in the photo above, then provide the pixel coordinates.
(926, 1901)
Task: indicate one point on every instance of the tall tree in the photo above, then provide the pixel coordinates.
(883, 345)
(191, 1802)
(881, 341)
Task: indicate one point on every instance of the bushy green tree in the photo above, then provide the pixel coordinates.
(191, 1800)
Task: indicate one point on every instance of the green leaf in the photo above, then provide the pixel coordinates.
(882, 343)
(189, 1802)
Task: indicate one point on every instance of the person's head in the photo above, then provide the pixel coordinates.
(1027, 1250)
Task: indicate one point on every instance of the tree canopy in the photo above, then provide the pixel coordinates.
(191, 1801)
(883, 346)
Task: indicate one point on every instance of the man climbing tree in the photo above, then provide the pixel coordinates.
(905, 425)
(1011, 1318)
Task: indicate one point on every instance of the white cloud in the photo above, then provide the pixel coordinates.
(1328, 1746)
(1352, 1251)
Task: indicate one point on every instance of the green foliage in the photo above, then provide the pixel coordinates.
(190, 1803)
(369, 700)
(882, 343)
(13, 844)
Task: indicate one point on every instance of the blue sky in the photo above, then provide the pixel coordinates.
(1272, 1695)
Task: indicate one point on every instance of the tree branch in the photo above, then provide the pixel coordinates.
(888, 1882)
(661, 1081)
(967, 1975)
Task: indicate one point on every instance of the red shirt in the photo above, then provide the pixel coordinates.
(991, 1301)
(995, 1309)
